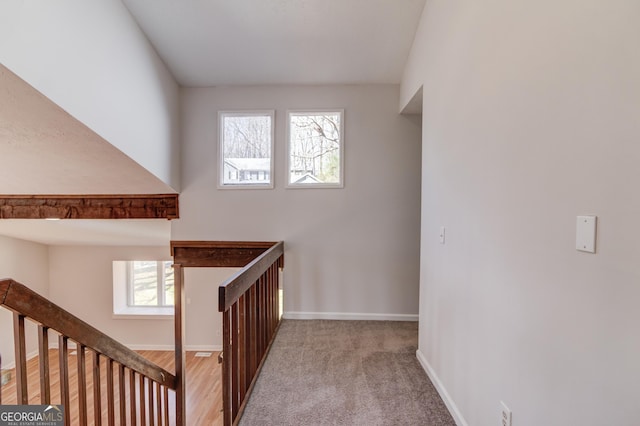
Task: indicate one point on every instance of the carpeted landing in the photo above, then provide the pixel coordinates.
(345, 373)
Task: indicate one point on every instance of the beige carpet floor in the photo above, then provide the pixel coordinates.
(345, 373)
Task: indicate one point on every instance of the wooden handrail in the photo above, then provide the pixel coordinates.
(26, 302)
(230, 291)
(249, 302)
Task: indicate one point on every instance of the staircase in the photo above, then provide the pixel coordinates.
(136, 390)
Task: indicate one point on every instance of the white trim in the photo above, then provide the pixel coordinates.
(190, 348)
(292, 112)
(271, 113)
(448, 401)
(143, 316)
(349, 316)
(12, 364)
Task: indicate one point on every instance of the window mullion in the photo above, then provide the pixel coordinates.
(130, 285)
(160, 283)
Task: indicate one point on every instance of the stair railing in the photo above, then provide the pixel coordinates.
(249, 302)
(139, 388)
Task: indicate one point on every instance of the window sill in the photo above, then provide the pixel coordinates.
(145, 313)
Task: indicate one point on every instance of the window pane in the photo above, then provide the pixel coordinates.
(246, 143)
(315, 145)
(145, 283)
(168, 284)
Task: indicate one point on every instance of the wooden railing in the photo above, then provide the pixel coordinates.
(249, 301)
(136, 391)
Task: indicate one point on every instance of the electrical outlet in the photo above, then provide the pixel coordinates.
(505, 415)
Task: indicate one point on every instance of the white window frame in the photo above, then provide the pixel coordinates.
(123, 294)
(291, 113)
(221, 159)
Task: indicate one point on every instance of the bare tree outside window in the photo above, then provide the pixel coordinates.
(151, 283)
(246, 144)
(315, 148)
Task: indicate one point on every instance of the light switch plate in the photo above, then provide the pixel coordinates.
(586, 233)
(442, 230)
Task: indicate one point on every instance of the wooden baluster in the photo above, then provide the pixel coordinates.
(166, 406)
(63, 352)
(158, 404)
(270, 300)
(262, 318)
(122, 396)
(97, 400)
(227, 407)
(258, 321)
(247, 345)
(253, 348)
(242, 347)
(234, 359)
(43, 350)
(143, 417)
(276, 292)
(265, 309)
(150, 396)
(261, 313)
(278, 302)
(132, 397)
(21, 359)
(111, 420)
(82, 384)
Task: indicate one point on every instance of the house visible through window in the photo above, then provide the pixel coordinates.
(246, 145)
(315, 149)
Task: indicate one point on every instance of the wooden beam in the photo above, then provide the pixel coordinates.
(126, 206)
(226, 254)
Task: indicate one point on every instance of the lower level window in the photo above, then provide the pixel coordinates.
(143, 287)
(150, 283)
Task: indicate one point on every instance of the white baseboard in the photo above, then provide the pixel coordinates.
(195, 348)
(12, 364)
(348, 316)
(448, 401)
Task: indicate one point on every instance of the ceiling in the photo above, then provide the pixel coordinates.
(49, 150)
(249, 42)
(203, 43)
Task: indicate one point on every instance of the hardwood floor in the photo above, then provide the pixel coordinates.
(203, 382)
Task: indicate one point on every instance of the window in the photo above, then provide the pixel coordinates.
(149, 283)
(245, 149)
(143, 287)
(316, 156)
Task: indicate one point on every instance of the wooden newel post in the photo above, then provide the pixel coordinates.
(181, 402)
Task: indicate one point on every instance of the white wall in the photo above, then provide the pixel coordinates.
(530, 118)
(81, 282)
(93, 60)
(348, 251)
(28, 264)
